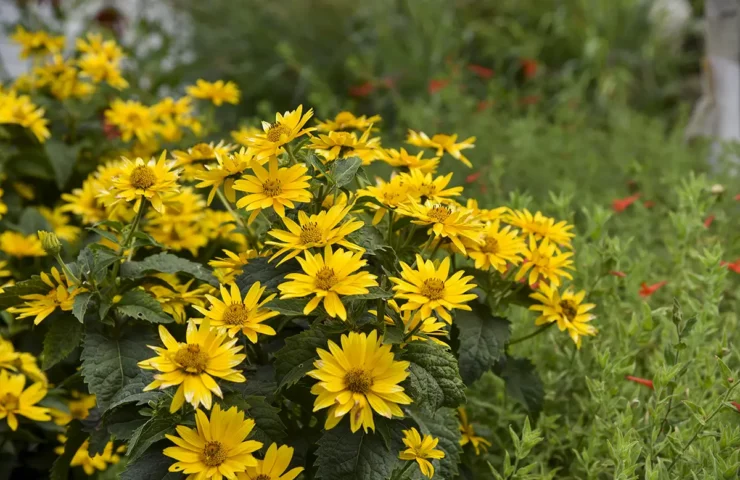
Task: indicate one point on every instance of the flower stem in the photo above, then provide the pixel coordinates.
(402, 473)
(533, 334)
(291, 155)
(67, 272)
(390, 228)
(227, 205)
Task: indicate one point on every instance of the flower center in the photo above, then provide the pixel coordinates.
(272, 188)
(358, 380)
(133, 118)
(214, 454)
(203, 150)
(191, 358)
(276, 131)
(10, 402)
(310, 233)
(570, 309)
(236, 314)
(142, 177)
(490, 245)
(433, 288)
(439, 213)
(325, 278)
(263, 476)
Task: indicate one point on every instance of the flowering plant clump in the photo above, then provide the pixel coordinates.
(260, 312)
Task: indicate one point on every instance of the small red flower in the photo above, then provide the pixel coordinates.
(621, 204)
(708, 221)
(473, 177)
(736, 405)
(648, 204)
(110, 131)
(362, 90)
(481, 71)
(529, 67)
(617, 273)
(436, 85)
(734, 266)
(641, 381)
(737, 197)
(483, 105)
(647, 290)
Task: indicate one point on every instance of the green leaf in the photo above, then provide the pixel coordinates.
(296, 358)
(167, 263)
(63, 336)
(373, 294)
(153, 465)
(62, 158)
(523, 384)
(434, 379)
(82, 301)
(482, 338)
(369, 238)
(268, 274)
(109, 365)
(11, 295)
(344, 170)
(291, 307)
(444, 426)
(268, 425)
(75, 438)
(31, 221)
(141, 305)
(152, 431)
(343, 455)
(93, 262)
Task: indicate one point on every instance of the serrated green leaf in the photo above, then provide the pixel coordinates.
(291, 307)
(482, 338)
(93, 262)
(344, 170)
(11, 295)
(139, 304)
(523, 384)
(82, 301)
(268, 274)
(444, 426)
(75, 438)
(167, 263)
(152, 431)
(373, 294)
(153, 465)
(296, 358)
(369, 238)
(64, 335)
(434, 379)
(268, 425)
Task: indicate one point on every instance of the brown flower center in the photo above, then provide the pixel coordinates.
(263, 476)
(236, 314)
(439, 213)
(490, 245)
(272, 188)
(133, 118)
(214, 454)
(325, 278)
(433, 288)
(10, 402)
(310, 233)
(276, 131)
(358, 380)
(191, 358)
(143, 177)
(570, 309)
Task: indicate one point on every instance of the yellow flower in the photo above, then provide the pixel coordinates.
(496, 247)
(432, 289)
(429, 329)
(192, 365)
(277, 188)
(227, 170)
(137, 180)
(132, 119)
(20, 110)
(79, 407)
(286, 128)
(3, 207)
(201, 152)
(402, 159)
(227, 268)
(59, 222)
(24, 190)
(179, 236)
(330, 200)
(317, 230)
(391, 194)
(327, 278)
(544, 262)
(84, 202)
(62, 79)
(217, 92)
(357, 378)
(216, 448)
(20, 361)
(36, 43)
(568, 310)
(347, 121)
(99, 461)
(445, 221)
(421, 450)
(62, 295)
(541, 227)
(221, 226)
(101, 60)
(485, 215)
(273, 466)
(176, 297)
(14, 400)
(425, 187)
(443, 143)
(232, 313)
(172, 109)
(467, 434)
(244, 133)
(18, 245)
(344, 145)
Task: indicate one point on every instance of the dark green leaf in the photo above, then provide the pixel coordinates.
(168, 263)
(523, 384)
(296, 358)
(93, 261)
(11, 295)
(268, 274)
(141, 305)
(483, 339)
(291, 307)
(369, 238)
(62, 158)
(373, 294)
(75, 438)
(152, 431)
(63, 336)
(268, 426)
(444, 426)
(153, 465)
(31, 221)
(82, 301)
(435, 380)
(344, 170)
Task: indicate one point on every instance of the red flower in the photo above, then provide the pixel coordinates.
(473, 177)
(437, 85)
(362, 90)
(617, 273)
(736, 405)
(529, 67)
(648, 204)
(647, 290)
(621, 204)
(481, 71)
(708, 221)
(734, 266)
(641, 381)
(737, 197)
(110, 131)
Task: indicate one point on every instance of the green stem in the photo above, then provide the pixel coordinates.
(291, 155)
(227, 206)
(67, 272)
(129, 236)
(409, 464)
(533, 334)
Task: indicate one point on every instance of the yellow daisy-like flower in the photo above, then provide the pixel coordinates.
(273, 467)
(403, 159)
(217, 448)
(99, 461)
(20, 362)
(391, 194)
(18, 245)
(484, 214)
(14, 400)
(468, 436)
(233, 314)
(424, 187)
(421, 450)
(317, 230)
(430, 327)
(357, 378)
(132, 118)
(192, 365)
(59, 222)
(20, 110)
(443, 143)
(192, 159)
(568, 310)
(83, 202)
(336, 145)
(62, 296)
(432, 289)
(445, 221)
(277, 188)
(138, 180)
(227, 268)
(497, 247)
(218, 92)
(287, 127)
(347, 121)
(173, 109)
(541, 227)
(3, 206)
(332, 200)
(327, 278)
(244, 133)
(545, 262)
(79, 407)
(176, 297)
(36, 43)
(225, 172)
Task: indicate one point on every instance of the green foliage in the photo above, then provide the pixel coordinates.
(63, 337)
(482, 339)
(434, 377)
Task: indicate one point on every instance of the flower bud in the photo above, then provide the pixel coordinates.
(50, 242)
